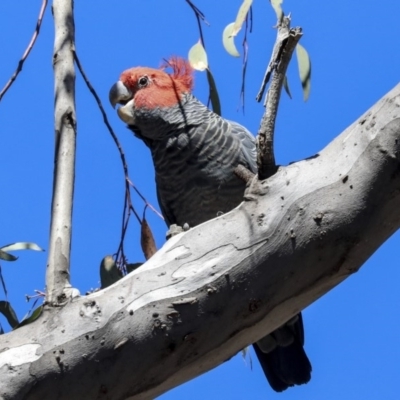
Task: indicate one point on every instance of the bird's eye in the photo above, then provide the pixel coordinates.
(143, 81)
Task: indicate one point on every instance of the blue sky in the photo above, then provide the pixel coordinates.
(351, 332)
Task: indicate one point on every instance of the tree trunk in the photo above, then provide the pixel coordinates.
(213, 290)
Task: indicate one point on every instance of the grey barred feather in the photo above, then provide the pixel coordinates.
(194, 161)
(195, 153)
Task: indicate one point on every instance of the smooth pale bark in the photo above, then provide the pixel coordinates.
(58, 285)
(224, 284)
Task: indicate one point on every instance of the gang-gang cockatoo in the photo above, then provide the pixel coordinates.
(195, 152)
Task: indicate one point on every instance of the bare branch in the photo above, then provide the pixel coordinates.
(199, 17)
(27, 51)
(248, 28)
(58, 264)
(285, 44)
(147, 204)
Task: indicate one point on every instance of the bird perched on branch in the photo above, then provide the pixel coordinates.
(195, 153)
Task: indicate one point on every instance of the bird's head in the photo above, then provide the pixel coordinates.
(145, 93)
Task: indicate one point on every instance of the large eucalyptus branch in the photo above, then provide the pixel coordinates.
(58, 264)
(224, 284)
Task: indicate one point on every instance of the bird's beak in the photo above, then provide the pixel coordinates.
(120, 94)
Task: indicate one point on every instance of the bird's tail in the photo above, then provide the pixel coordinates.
(282, 356)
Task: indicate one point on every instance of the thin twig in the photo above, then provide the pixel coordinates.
(103, 113)
(251, 19)
(282, 35)
(27, 51)
(128, 206)
(113, 135)
(248, 28)
(147, 204)
(287, 39)
(200, 17)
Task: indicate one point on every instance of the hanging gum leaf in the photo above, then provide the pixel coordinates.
(286, 87)
(276, 5)
(21, 246)
(9, 313)
(304, 63)
(228, 40)
(7, 257)
(147, 240)
(241, 16)
(33, 317)
(198, 57)
(131, 267)
(3, 284)
(215, 103)
(109, 272)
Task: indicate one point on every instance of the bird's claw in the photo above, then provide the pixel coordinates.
(175, 229)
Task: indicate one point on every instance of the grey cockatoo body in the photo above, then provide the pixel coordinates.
(194, 162)
(195, 153)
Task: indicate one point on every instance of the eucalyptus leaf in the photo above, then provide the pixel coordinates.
(215, 102)
(131, 267)
(228, 40)
(109, 272)
(304, 63)
(6, 256)
(21, 246)
(33, 317)
(198, 57)
(3, 284)
(241, 16)
(7, 310)
(276, 5)
(286, 87)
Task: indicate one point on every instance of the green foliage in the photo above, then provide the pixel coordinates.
(198, 57)
(228, 40)
(241, 16)
(131, 267)
(199, 61)
(5, 307)
(109, 272)
(286, 87)
(232, 29)
(22, 246)
(304, 63)
(32, 317)
(215, 103)
(6, 256)
(7, 310)
(276, 5)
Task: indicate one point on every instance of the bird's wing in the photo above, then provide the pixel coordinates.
(248, 145)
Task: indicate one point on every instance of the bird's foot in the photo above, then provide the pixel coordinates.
(175, 229)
